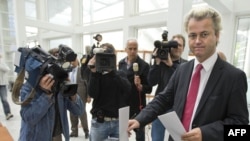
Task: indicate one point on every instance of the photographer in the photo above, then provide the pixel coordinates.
(110, 91)
(98, 38)
(160, 73)
(44, 118)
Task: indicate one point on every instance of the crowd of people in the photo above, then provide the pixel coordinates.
(200, 97)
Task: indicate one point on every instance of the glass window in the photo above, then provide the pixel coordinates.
(147, 37)
(98, 10)
(242, 48)
(152, 5)
(31, 31)
(114, 37)
(59, 11)
(30, 9)
(8, 37)
(5, 20)
(3, 6)
(56, 42)
(32, 43)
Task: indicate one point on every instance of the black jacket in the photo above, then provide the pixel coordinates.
(161, 74)
(137, 99)
(109, 91)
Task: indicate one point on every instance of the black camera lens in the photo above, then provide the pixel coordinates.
(105, 62)
(163, 53)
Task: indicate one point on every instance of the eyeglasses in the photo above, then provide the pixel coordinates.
(202, 35)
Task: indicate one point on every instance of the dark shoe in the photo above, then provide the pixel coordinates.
(9, 115)
(86, 135)
(73, 134)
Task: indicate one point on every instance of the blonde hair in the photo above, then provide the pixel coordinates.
(203, 12)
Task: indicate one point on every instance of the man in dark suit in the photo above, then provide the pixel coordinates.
(75, 77)
(221, 95)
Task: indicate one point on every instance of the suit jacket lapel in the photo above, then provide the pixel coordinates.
(211, 84)
(183, 79)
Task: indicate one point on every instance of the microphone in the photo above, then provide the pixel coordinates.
(135, 68)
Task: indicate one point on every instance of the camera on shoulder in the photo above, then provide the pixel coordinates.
(105, 58)
(164, 46)
(36, 62)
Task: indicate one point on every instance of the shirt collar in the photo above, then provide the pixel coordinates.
(208, 63)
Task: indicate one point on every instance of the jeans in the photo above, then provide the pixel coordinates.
(102, 131)
(158, 131)
(3, 96)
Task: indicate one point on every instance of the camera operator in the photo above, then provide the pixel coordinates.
(110, 91)
(98, 38)
(160, 73)
(44, 118)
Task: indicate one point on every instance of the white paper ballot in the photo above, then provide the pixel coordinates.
(173, 124)
(17, 58)
(123, 123)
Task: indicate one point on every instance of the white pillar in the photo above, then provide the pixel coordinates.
(175, 21)
(41, 15)
(77, 39)
(19, 12)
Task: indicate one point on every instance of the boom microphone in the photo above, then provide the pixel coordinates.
(135, 68)
(172, 44)
(157, 44)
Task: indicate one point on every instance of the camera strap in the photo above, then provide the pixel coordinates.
(16, 90)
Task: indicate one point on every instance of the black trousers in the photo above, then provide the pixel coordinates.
(75, 121)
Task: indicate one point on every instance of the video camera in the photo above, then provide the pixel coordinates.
(36, 63)
(165, 46)
(105, 59)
